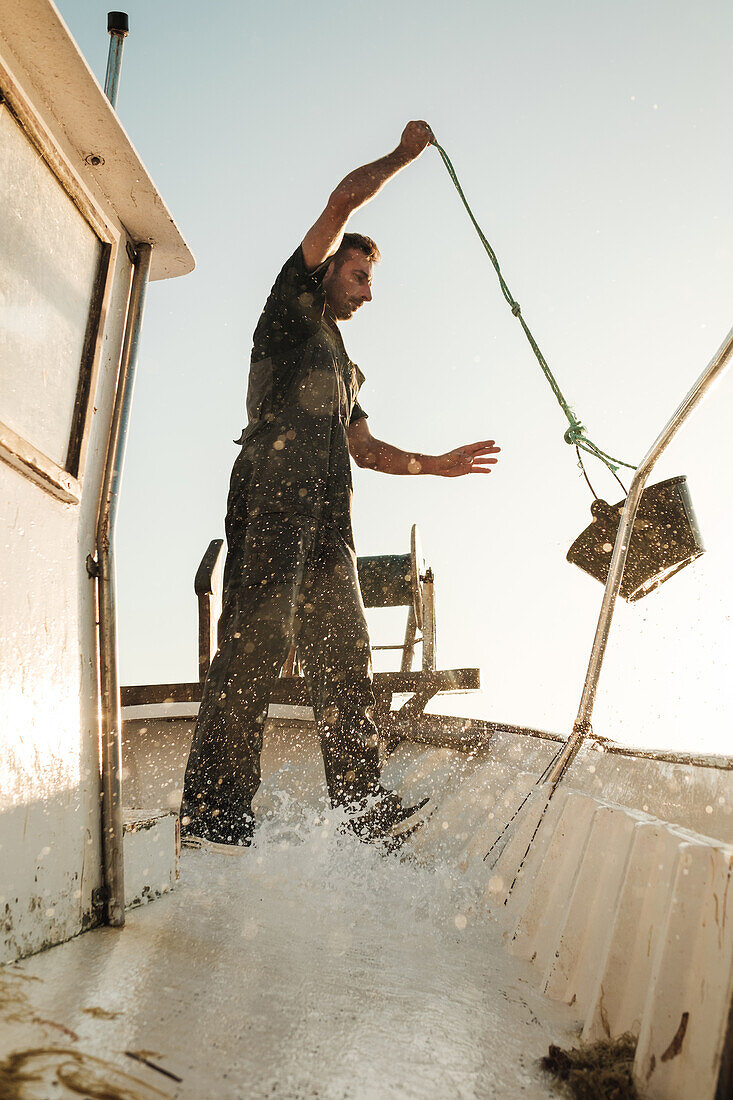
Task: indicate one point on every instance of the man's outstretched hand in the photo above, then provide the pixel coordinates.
(375, 454)
(472, 458)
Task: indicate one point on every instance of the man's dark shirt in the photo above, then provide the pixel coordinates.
(301, 400)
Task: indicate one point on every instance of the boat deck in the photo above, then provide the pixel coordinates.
(307, 966)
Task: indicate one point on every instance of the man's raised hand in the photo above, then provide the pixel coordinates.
(471, 458)
(416, 136)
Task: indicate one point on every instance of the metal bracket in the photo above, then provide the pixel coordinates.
(394, 725)
(100, 897)
(415, 706)
(131, 251)
(93, 568)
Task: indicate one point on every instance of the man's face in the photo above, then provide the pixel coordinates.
(348, 286)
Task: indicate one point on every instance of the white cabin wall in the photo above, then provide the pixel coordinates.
(49, 826)
(50, 830)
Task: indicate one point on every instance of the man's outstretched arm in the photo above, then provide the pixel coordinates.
(356, 189)
(373, 454)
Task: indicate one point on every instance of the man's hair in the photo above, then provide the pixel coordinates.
(361, 244)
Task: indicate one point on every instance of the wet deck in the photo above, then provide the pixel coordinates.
(306, 966)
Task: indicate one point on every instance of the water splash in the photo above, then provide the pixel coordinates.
(367, 974)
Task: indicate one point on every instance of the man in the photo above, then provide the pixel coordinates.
(290, 575)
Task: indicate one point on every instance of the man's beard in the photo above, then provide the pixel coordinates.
(342, 309)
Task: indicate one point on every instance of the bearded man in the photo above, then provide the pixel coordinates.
(290, 576)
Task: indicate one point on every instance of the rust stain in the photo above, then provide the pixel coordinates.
(59, 1027)
(142, 826)
(79, 1074)
(15, 969)
(14, 1005)
(676, 1045)
(604, 1014)
(100, 1013)
(725, 907)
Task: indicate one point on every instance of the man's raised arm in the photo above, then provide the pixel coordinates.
(356, 189)
(373, 454)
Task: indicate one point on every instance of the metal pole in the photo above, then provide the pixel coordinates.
(582, 726)
(118, 26)
(429, 624)
(112, 821)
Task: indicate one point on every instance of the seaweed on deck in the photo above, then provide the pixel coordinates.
(598, 1071)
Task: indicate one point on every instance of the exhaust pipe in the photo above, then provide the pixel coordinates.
(118, 26)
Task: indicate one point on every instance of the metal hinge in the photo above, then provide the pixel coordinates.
(100, 897)
(93, 567)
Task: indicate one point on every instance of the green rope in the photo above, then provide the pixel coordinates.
(575, 435)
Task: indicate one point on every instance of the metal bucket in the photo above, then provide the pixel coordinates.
(665, 538)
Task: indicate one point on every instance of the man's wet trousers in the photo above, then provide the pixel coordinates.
(287, 580)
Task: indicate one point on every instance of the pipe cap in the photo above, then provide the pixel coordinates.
(118, 22)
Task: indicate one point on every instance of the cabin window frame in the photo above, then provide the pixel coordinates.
(65, 481)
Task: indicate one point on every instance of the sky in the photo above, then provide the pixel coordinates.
(592, 140)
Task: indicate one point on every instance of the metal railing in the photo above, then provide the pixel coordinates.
(582, 726)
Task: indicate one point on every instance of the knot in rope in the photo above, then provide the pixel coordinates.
(574, 434)
(516, 309)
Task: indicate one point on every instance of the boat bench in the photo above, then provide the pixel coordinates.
(394, 580)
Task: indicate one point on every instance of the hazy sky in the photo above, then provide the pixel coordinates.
(593, 140)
